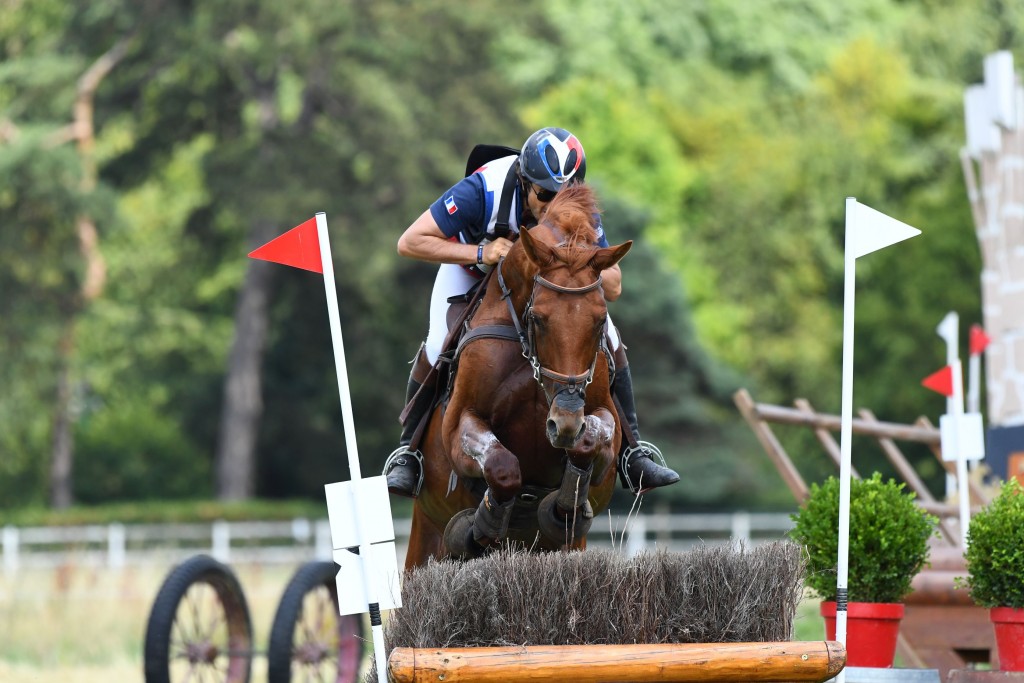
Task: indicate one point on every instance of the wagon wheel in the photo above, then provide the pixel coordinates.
(309, 640)
(199, 628)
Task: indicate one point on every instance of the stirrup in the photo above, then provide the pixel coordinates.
(397, 459)
(642, 449)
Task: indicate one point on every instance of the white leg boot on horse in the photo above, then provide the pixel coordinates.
(404, 467)
(637, 470)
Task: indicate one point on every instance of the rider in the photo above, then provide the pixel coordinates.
(458, 232)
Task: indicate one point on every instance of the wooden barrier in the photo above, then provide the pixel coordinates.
(679, 663)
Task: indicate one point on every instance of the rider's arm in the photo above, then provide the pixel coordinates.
(612, 282)
(424, 241)
(612, 277)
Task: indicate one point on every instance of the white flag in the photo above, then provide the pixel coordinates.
(868, 230)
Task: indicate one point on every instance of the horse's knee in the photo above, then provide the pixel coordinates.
(503, 476)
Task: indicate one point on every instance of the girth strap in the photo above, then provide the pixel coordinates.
(506, 332)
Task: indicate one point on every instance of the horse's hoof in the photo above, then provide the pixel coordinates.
(563, 529)
(458, 537)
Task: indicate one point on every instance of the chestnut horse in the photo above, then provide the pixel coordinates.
(525, 449)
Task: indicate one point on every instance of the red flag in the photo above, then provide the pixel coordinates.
(941, 381)
(979, 340)
(299, 248)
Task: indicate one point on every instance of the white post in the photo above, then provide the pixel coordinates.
(301, 530)
(221, 534)
(324, 549)
(365, 553)
(115, 546)
(740, 523)
(10, 545)
(636, 540)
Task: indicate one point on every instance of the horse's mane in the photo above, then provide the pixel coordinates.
(571, 215)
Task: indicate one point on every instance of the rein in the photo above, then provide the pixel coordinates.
(572, 384)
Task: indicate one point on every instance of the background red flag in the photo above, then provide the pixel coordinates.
(941, 381)
(979, 340)
(299, 248)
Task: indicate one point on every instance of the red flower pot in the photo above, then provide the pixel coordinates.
(871, 631)
(1009, 626)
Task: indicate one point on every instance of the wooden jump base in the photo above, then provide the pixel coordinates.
(678, 663)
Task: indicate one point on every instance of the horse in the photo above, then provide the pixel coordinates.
(524, 451)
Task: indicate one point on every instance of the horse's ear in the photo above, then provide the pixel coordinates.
(609, 256)
(536, 250)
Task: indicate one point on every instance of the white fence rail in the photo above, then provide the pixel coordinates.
(301, 540)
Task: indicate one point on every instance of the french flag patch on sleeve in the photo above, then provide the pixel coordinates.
(449, 203)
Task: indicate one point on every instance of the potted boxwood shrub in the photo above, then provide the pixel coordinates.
(888, 547)
(995, 568)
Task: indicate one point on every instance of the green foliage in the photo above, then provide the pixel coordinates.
(718, 142)
(888, 539)
(995, 550)
(132, 452)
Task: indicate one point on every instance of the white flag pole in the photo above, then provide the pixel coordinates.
(961, 457)
(365, 553)
(973, 383)
(846, 429)
(949, 330)
(867, 230)
(973, 388)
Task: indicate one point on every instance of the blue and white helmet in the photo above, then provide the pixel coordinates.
(553, 157)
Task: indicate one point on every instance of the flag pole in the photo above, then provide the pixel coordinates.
(846, 430)
(365, 552)
(949, 330)
(961, 457)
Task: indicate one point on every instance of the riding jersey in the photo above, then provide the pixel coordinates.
(469, 210)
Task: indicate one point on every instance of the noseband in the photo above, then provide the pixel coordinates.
(572, 384)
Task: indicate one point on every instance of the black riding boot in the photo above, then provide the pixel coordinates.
(637, 470)
(404, 468)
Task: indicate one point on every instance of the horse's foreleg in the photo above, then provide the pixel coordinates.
(595, 440)
(565, 515)
(477, 452)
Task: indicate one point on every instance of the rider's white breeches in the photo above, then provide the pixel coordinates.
(453, 280)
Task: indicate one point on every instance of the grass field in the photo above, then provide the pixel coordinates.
(86, 625)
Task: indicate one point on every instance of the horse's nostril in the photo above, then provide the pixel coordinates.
(552, 427)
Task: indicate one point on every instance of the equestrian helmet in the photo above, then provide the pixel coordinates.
(553, 157)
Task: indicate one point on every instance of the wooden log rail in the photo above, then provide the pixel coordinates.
(678, 663)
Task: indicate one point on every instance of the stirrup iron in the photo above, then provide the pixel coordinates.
(642, 448)
(398, 457)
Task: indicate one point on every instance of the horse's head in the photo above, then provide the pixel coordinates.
(566, 313)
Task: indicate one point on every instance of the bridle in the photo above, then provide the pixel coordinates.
(573, 384)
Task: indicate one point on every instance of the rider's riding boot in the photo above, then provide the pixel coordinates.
(637, 470)
(404, 468)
